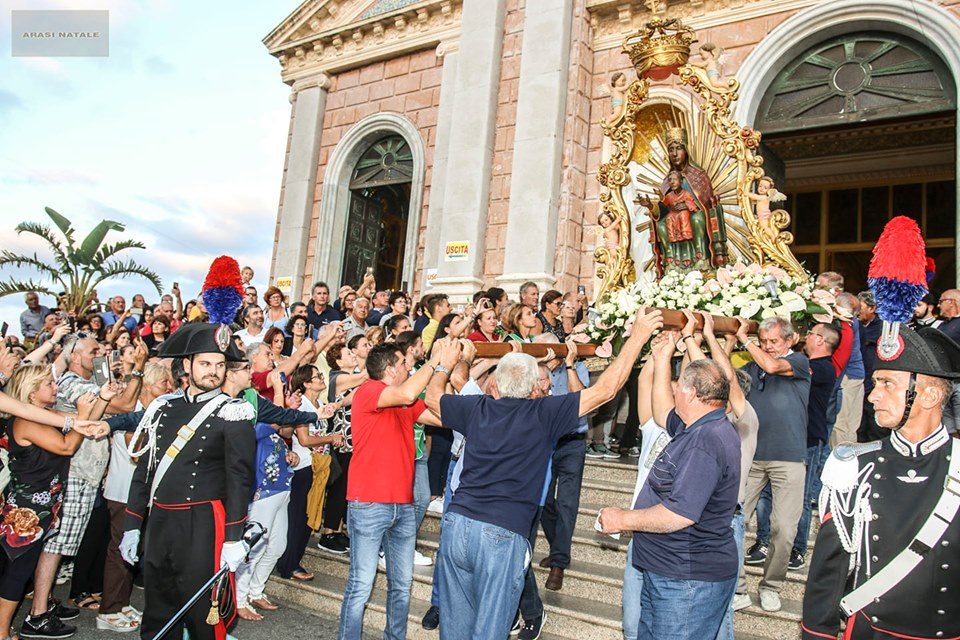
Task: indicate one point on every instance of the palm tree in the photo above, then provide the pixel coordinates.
(75, 270)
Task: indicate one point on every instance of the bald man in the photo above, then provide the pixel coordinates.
(950, 313)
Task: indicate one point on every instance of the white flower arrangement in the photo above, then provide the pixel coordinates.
(737, 290)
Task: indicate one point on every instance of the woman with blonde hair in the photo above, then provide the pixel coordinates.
(39, 463)
(520, 323)
(375, 336)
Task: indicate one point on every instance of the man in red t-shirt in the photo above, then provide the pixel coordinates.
(380, 483)
(267, 376)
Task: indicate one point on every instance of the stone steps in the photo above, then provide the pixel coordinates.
(588, 607)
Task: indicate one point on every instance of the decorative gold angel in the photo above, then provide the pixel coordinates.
(713, 58)
(608, 255)
(766, 193)
(618, 103)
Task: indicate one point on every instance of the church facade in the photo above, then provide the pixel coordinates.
(453, 145)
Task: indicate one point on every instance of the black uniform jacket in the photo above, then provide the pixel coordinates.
(216, 464)
(906, 481)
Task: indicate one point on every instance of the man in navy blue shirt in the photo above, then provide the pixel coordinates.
(683, 542)
(484, 550)
(319, 312)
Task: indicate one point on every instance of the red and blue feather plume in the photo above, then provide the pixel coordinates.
(223, 290)
(897, 277)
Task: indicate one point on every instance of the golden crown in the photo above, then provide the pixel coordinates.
(676, 134)
(660, 48)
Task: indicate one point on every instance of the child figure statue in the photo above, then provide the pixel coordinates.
(766, 193)
(610, 231)
(712, 57)
(618, 104)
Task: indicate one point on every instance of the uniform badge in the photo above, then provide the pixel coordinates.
(890, 348)
(912, 477)
(222, 337)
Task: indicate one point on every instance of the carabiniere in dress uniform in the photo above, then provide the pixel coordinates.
(192, 486)
(887, 558)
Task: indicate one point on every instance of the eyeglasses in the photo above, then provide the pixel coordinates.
(942, 300)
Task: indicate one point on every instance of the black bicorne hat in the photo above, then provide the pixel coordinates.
(201, 337)
(926, 351)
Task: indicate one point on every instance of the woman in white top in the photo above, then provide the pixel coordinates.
(275, 313)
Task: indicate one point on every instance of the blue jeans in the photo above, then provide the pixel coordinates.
(815, 461)
(447, 497)
(421, 490)
(482, 577)
(632, 586)
(374, 525)
(563, 499)
(673, 609)
(531, 606)
(739, 530)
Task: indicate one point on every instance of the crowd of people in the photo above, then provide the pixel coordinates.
(369, 409)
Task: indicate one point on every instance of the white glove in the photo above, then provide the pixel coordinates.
(128, 546)
(233, 554)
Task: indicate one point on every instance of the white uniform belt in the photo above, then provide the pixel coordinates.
(184, 434)
(908, 559)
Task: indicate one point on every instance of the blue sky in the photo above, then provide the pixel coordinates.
(179, 134)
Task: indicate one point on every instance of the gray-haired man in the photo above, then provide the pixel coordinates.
(484, 549)
(780, 391)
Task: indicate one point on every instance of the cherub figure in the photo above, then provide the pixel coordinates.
(712, 57)
(618, 96)
(618, 104)
(611, 231)
(766, 193)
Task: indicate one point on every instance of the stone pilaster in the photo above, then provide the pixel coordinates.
(432, 253)
(531, 241)
(300, 180)
(467, 183)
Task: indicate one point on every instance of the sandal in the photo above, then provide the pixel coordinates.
(132, 614)
(302, 576)
(249, 613)
(116, 622)
(264, 604)
(86, 601)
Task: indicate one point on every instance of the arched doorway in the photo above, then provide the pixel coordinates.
(863, 125)
(379, 205)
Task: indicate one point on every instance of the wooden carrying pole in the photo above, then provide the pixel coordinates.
(672, 320)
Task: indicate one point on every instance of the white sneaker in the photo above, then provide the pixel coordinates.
(769, 600)
(382, 562)
(741, 601)
(435, 506)
(421, 560)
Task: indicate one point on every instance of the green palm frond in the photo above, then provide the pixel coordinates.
(65, 226)
(8, 258)
(108, 251)
(120, 269)
(46, 233)
(23, 286)
(91, 244)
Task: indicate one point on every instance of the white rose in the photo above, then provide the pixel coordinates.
(750, 309)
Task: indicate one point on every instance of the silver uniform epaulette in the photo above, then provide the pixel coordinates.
(237, 410)
(846, 495)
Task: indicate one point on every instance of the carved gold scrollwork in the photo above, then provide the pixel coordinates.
(615, 268)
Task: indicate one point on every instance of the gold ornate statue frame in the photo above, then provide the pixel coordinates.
(659, 51)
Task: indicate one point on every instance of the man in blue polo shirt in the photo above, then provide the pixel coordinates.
(683, 542)
(484, 550)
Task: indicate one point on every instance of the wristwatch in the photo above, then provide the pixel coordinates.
(136, 374)
(4, 379)
(441, 369)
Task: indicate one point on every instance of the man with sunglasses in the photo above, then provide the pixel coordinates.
(950, 313)
(821, 342)
(779, 392)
